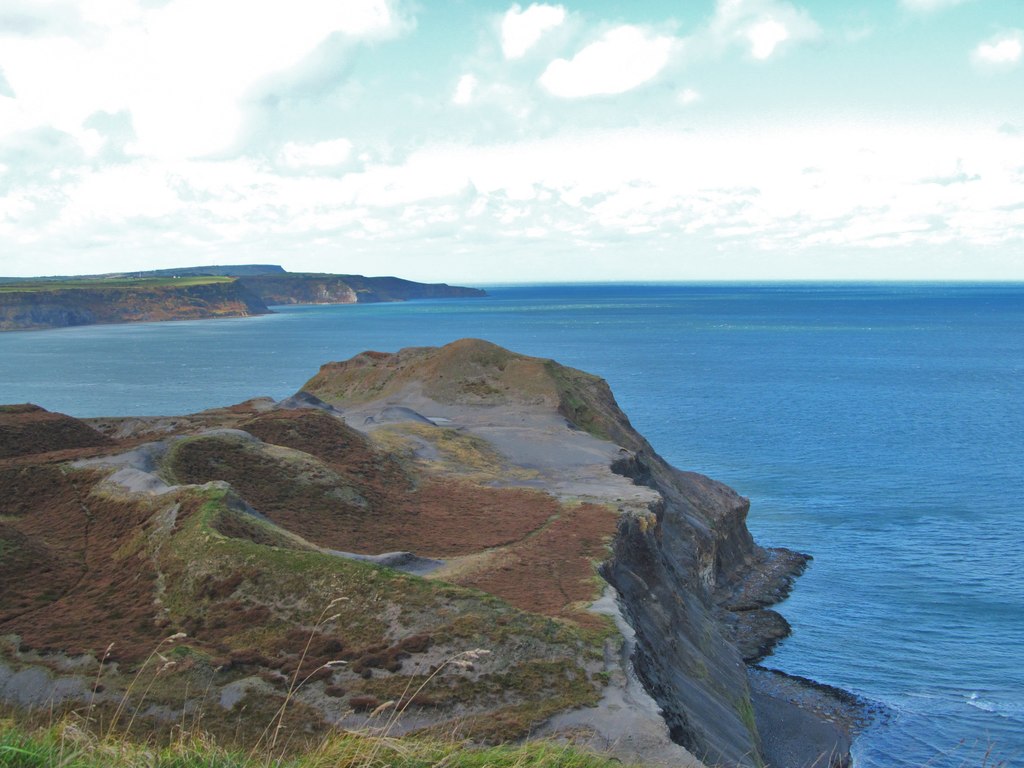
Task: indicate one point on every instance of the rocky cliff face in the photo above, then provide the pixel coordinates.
(677, 569)
(296, 289)
(667, 567)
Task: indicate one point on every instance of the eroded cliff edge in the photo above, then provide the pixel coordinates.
(492, 482)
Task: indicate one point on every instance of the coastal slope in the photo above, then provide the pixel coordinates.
(481, 528)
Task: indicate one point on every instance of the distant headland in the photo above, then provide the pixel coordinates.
(193, 293)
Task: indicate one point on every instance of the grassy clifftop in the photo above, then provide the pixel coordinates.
(475, 372)
(112, 283)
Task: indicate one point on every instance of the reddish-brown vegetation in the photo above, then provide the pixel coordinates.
(435, 518)
(28, 429)
(552, 572)
(78, 574)
(77, 583)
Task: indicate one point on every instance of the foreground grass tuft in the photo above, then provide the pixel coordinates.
(65, 745)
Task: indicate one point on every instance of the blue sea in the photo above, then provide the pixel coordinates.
(878, 427)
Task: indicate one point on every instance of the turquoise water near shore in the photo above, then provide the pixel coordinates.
(878, 427)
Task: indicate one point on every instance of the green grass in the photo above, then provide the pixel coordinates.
(67, 745)
(34, 286)
(745, 709)
(573, 400)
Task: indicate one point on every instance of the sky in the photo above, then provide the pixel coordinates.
(482, 142)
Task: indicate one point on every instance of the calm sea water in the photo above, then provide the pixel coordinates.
(880, 428)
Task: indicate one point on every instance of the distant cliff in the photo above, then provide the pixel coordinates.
(191, 294)
(346, 289)
(60, 305)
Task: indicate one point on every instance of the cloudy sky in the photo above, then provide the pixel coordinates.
(478, 141)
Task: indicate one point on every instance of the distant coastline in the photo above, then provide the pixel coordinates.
(193, 293)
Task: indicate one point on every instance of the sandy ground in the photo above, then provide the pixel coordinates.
(400, 561)
(567, 462)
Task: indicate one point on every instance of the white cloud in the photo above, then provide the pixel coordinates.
(183, 69)
(5, 87)
(778, 188)
(688, 96)
(119, 194)
(765, 36)
(622, 59)
(1002, 50)
(739, 187)
(520, 30)
(33, 18)
(464, 89)
(99, 152)
(762, 26)
(929, 5)
(320, 154)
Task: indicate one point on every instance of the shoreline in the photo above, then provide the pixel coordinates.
(802, 722)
